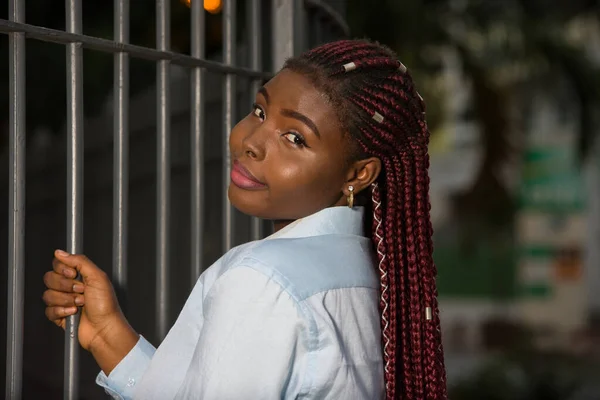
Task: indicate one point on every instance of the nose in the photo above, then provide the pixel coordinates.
(254, 144)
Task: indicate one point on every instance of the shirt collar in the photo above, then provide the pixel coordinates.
(331, 220)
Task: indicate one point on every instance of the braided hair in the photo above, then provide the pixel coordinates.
(379, 107)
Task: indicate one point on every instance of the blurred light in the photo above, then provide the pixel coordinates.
(212, 6)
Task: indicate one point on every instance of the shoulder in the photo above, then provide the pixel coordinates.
(306, 266)
(244, 287)
(301, 267)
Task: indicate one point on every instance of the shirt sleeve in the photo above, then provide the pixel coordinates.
(251, 342)
(120, 383)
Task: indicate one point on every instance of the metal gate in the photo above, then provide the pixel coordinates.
(295, 25)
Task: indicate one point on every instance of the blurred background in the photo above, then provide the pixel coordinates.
(513, 95)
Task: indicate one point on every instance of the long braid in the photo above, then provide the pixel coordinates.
(379, 106)
(398, 226)
(383, 267)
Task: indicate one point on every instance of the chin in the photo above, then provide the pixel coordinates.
(252, 203)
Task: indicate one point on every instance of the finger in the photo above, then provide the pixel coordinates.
(61, 268)
(56, 314)
(54, 281)
(84, 266)
(52, 298)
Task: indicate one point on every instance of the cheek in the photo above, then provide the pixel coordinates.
(292, 172)
(301, 177)
(289, 166)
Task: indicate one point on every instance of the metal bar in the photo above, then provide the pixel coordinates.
(229, 99)
(109, 46)
(329, 13)
(255, 39)
(300, 25)
(197, 141)
(283, 32)
(163, 124)
(120, 151)
(318, 29)
(16, 207)
(74, 184)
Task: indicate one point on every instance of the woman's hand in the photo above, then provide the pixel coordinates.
(103, 330)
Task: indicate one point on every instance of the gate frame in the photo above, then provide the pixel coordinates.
(289, 19)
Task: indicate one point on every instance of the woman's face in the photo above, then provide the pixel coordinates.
(288, 153)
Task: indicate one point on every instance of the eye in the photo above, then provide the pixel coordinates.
(258, 111)
(295, 138)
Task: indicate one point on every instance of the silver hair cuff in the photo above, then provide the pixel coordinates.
(349, 67)
(428, 315)
(378, 117)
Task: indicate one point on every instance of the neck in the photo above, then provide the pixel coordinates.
(280, 224)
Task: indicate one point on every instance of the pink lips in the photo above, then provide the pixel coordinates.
(243, 179)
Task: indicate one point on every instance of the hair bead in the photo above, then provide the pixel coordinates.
(428, 313)
(349, 67)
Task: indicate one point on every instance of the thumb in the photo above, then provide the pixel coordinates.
(86, 268)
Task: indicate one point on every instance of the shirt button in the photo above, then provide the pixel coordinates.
(131, 382)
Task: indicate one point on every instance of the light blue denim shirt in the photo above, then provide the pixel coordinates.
(293, 316)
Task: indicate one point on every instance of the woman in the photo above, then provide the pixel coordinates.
(324, 308)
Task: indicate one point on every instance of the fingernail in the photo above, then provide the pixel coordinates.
(69, 273)
(78, 288)
(79, 300)
(70, 310)
(62, 253)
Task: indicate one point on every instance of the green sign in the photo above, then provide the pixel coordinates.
(551, 180)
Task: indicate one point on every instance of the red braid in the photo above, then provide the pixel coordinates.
(378, 104)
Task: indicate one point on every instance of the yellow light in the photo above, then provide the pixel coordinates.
(212, 6)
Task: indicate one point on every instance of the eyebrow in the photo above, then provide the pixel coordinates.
(291, 113)
(302, 118)
(263, 91)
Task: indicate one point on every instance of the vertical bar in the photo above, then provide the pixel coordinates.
(284, 31)
(319, 29)
(229, 97)
(74, 184)
(256, 64)
(197, 141)
(163, 112)
(300, 18)
(16, 208)
(120, 150)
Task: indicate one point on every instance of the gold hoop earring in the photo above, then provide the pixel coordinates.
(350, 198)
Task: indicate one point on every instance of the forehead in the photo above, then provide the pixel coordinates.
(293, 91)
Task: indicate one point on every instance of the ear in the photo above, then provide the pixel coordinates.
(362, 174)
